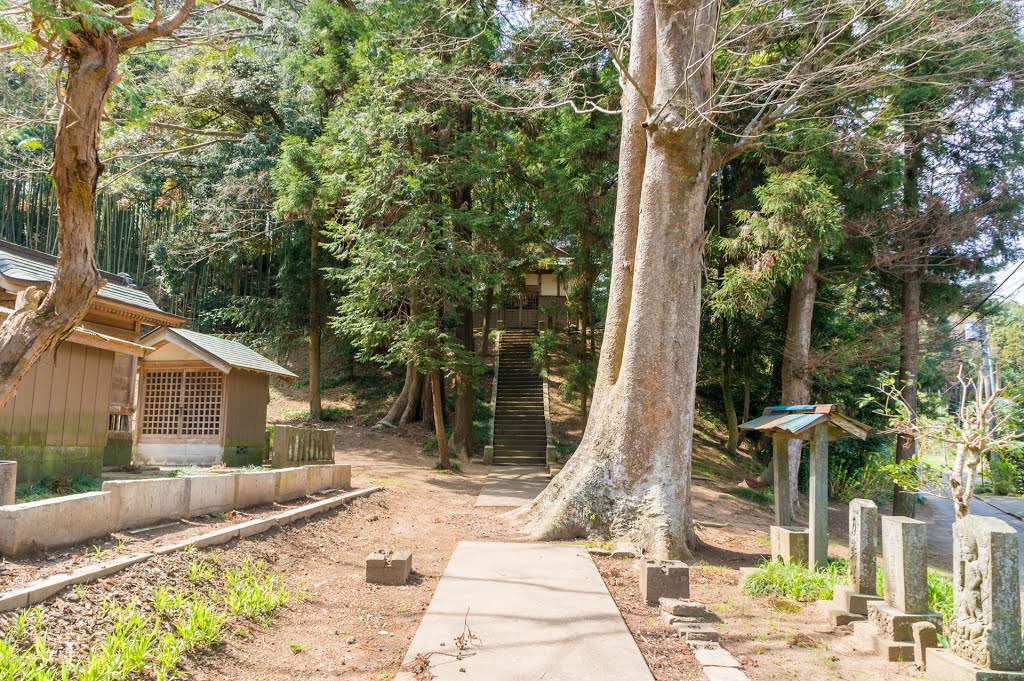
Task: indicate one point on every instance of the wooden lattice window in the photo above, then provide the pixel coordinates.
(182, 403)
(201, 403)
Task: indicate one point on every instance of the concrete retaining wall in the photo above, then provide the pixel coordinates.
(210, 494)
(138, 503)
(292, 483)
(61, 521)
(319, 478)
(342, 476)
(256, 489)
(128, 504)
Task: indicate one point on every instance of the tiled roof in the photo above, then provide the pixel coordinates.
(23, 269)
(229, 352)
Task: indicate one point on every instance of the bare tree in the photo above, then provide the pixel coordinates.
(705, 81)
(977, 428)
(88, 47)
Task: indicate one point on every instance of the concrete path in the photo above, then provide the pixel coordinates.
(539, 611)
(940, 516)
(512, 485)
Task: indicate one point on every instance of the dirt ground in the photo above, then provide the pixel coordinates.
(343, 628)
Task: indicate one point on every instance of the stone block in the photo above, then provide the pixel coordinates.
(291, 483)
(863, 547)
(846, 598)
(8, 482)
(210, 494)
(925, 636)
(256, 489)
(905, 564)
(682, 607)
(664, 579)
(342, 476)
(985, 627)
(896, 625)
(488, 454)
(944, 665)
(388, 568)
(254, 527)
(790, 544)
(60, 521)
(716, 657)
(696, 631)
(141, 503)
(839, 617)
(867, 638)
(725, 674)
(319, 478)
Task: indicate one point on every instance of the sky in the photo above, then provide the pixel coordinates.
(1013, 289)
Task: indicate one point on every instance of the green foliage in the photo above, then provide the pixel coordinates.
(861, 469)
(798, 215)
(1004, 474)
(56, 485)
(541, 349)
(795, 581)
(253, 592)
(765, 496)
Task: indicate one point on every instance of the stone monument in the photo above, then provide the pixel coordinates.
(850, 603)
(905, 576)
(984, 632)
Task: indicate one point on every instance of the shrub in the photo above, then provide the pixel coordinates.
(1004, 475)
(795, 581)
(856, 469)
(765, 496)
(543, 346)
(55, 486)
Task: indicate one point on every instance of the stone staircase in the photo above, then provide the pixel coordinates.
(520, 434)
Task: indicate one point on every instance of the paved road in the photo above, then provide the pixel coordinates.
(509, 486)
(939, 512)
(523, 612)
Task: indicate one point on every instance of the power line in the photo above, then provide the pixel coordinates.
(990, 294)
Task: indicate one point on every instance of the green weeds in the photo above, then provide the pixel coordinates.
(795, 581)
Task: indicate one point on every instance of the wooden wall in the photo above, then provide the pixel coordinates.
(245, 422)
(57, 421)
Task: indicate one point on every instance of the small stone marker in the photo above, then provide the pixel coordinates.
(790, 544)
(390, 568)
(984, 632)
(682, 607)
(925, 637)
(863, 546)
(664, 579)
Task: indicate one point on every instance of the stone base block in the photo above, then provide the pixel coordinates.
(488, 454)
(139, 503)
(255, 489)
(943, 665)
(292, 483)
(210, 494)
(839, 617)
(790, 544)
(393, 569)
(846, 598)
(897, 625)
(925, 637)
(696, 631)
(664, 579)
(682, 607)
(342, 476)
(319, 478)
(867, 638)
(59, 521)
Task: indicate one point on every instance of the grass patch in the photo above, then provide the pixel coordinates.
(150, 638)
(56, 486)
(190, 471)
(765, 497)
(795, 581)
(327, 414)
(454, 467)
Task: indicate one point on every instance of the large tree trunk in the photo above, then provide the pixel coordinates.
(461, 442)
(631, 474)
(796, 384)
(442, 445)
(315, 326)
(39, 323)
(485, 343)
(905, 503)
(725, 382)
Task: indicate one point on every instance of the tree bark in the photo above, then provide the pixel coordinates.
(796, 385)
(905, 503)
(315, 325)
(461, 442)
(485, 343)
(631, 474)
(725, 382)
(442, 444)
(398, 407)
(413, 407)
(39, 321)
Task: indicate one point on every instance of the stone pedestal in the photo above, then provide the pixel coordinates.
(790, 544)
(985, 627)
(391, 569)
(664, 579)
(867, 638)
(8, 481)
(850, 603)
(896, 625)
(849, 600)
(944, 665)
(488, 454)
